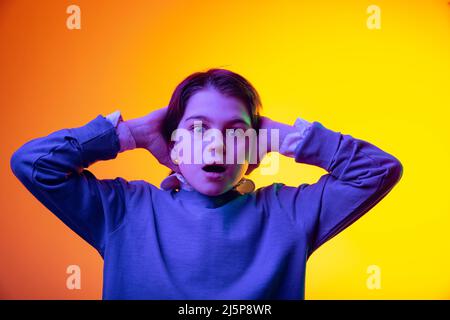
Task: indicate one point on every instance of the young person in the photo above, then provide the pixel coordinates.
(205, 233)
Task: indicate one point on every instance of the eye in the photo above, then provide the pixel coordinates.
(197, 129)
(236, 132)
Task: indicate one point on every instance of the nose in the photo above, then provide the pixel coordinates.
(214, 151)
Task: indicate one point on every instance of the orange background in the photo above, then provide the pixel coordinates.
(313, 59)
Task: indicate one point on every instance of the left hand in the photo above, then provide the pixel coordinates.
(265, 123)
(269, 124)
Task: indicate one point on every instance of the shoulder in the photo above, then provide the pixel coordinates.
(278, 189)
(270, 190)
(270, 195)
(135, 188)
(280, 195)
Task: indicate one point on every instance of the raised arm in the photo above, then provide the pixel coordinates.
(359, 176)
(53, 169)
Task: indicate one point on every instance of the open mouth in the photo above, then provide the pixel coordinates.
(218, 168)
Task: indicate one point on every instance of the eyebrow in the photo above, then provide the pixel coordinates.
(206, 119)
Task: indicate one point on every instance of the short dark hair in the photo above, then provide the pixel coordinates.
(224, 81)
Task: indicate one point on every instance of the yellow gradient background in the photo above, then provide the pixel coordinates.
(311, 59)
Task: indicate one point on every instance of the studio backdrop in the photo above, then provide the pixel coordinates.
(378, 70)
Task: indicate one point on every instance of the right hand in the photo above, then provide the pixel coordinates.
(147, 133)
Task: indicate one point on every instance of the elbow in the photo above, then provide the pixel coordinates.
(394, 171)
(19, 164)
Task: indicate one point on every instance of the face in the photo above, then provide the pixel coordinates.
(213, 173)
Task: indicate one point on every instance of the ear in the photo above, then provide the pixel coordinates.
(172, 165)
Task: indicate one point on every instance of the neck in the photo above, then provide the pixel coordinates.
(195, 197)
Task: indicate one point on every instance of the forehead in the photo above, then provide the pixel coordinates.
(213, 105)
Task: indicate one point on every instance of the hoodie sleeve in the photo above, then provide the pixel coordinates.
(359, 176)
(52, 168)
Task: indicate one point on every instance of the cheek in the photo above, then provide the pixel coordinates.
(190, 150)
(245, 147)
(233, 151)
(191, 171)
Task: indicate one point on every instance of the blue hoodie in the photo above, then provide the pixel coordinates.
(170, 244)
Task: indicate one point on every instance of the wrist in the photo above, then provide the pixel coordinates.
(294, 137)
(123, 132)
(126, 139)
(277, 133)
(139, 130)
